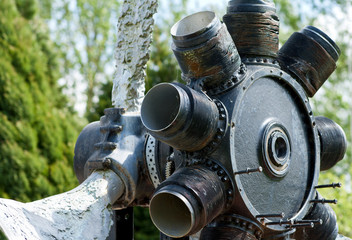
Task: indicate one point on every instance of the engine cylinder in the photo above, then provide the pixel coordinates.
(311, 56)
(333, 142)
(180, 116)
(254, 27)
(187, 201)
(204, 49)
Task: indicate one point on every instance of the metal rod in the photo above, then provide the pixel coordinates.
(281, 222)
(334, 201)
(301, 225)
(250, 170)
(279, 215)
(332, 185)
(317, 221)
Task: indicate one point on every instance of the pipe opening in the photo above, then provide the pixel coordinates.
(193, 24)
(280, 148)
(324, 40)
(160, 107)
(172, 214)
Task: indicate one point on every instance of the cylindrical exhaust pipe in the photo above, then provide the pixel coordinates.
(180, 116)
(311, 56)
(187, 201)
(254, 27)
(333, 142)
(204, 49)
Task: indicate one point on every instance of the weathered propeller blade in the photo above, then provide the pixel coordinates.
(81, 213)
(134, 36)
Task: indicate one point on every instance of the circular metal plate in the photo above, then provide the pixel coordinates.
(275, 98)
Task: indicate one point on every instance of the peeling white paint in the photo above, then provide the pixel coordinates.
(135, 29)
(82, 213)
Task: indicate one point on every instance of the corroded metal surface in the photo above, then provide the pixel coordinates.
(254, 27)
(135, 29)
(205, 50)
(309, 60)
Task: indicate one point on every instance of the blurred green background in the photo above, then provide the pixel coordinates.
(56, 70)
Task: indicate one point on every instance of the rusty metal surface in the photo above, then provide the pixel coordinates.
(255, 31)
(215, 58)
(307, 60)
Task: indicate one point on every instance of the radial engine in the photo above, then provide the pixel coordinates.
(236, 153)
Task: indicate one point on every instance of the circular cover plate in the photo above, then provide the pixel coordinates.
(264, 100)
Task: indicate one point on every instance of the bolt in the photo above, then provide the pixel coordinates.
(215, 167)
(333, 185)
(220, 130)
(334, 201)
(220, 172)
(250, 170)
(317, 221)
(107, 163)
(303, 225)
(224, 179)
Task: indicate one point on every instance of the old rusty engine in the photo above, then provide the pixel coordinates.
(236, 153)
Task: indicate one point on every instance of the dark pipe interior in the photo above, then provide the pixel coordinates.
(160, 107)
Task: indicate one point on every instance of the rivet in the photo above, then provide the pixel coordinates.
(224, 179)
(215, 167)
(106, 162)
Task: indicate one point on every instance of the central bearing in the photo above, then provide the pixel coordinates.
(276, 149)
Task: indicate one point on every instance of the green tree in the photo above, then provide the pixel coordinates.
(84, 32)
(37, 129)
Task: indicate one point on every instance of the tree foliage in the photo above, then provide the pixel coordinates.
(85, 33)
(37, 130)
